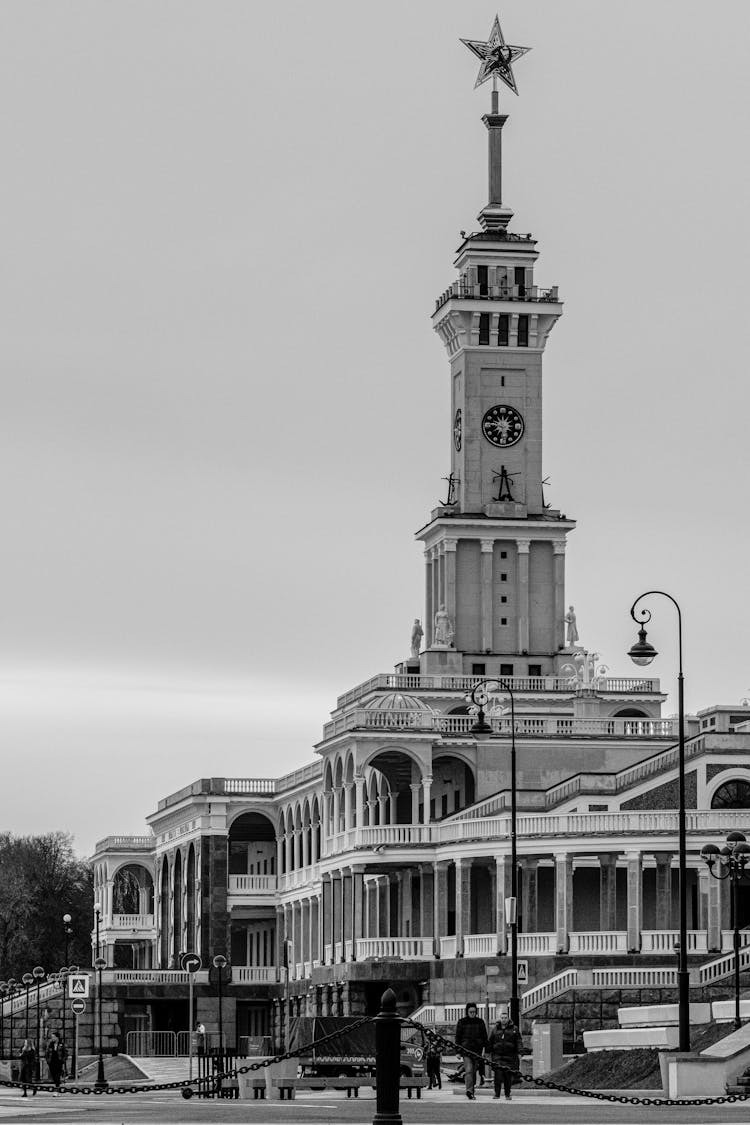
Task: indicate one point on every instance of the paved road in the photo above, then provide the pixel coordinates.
(444, 1108)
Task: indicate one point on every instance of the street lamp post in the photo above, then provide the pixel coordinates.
(3, 994)
(642, 653)
(733, 860)
(101, 1082)
(219, 963)
(67, 933)
(479, 697)
(38, 974)
(28, 980)
(11, 993)
(97, 920)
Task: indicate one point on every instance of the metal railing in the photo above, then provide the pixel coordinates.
(464, 291)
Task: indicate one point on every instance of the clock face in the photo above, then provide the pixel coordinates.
(457, 430)
(502, 426)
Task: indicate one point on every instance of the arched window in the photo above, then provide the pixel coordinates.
(732, 795)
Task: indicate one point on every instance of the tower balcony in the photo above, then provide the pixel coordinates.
(528, 294)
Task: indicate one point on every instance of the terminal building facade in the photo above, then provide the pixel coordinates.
(387, 858)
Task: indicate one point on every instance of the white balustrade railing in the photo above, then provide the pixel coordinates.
(406, 949)
(663, 941)
(448, 947)
(338, 950)
(537, 945)
(252, 884)
(328, 953)
(723, 966)
(299, 969)
(254, 974)
(601, 943)
(130, 922)
(627, 977)
(549, 989)
(542, 726)
(153, 976)
(415, 683)
(480, 945)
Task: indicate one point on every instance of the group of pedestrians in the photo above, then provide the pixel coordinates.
(503, 1046)
(55, 1056)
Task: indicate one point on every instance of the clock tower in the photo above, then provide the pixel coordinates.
(494, 552)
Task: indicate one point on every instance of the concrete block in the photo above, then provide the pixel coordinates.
(663, 1015)
(631, 1038)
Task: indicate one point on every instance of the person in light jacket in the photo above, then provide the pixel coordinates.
(504, 1048)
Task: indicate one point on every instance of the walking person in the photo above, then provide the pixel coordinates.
(504, 1047)
(55, 1056)
(433, 1058)
(471, 1036)
(28, 1062)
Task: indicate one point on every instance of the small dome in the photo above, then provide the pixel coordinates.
(396, 701)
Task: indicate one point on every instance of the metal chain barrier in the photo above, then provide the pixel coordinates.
(445, 1043)
(187, 1083)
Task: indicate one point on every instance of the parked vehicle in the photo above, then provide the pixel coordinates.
(352, 1052)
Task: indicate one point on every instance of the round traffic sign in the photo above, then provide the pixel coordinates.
(190, 962)
(78, 1006)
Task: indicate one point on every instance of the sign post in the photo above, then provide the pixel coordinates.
(78, 1006)
(190, 962)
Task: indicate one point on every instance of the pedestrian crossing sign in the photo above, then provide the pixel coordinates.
(522, 975)
(78, 985)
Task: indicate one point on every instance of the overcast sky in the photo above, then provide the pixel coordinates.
(224, 411)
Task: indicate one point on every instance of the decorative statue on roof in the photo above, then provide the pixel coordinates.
(416, 637)
(570, 621)
(443, 629)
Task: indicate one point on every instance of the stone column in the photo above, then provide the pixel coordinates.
(450, 578)
(306, 846)
(385, 906)
(428, 603)
(435, 589)
(607, 891)
(563, 900)
(486, 610)
(522, 546)
(347, 807)
(501, 876)
(382, 806)
(441, 572)
(558, 549)
(426, 798)
(440, 888)
(345, 915)
(635, 901)
(663, 890)
(426, 901)
(530, 896)
(393, 809)
(406, 928)
(415, 788)
(463, 902)
(713, 912)
(358, 907)
(336, 811)
(359, 801)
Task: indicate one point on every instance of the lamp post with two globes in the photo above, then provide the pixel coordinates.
(642, 653)
(478, 698)
(732, 860)
(101, 1082)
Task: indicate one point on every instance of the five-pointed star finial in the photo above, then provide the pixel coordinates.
(497, 57)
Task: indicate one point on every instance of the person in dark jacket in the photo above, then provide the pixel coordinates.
(432, 1059)
(504, 1048)
(55, 1056)
(471, 1035)
(28, 1062)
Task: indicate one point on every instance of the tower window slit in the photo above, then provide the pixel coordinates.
(503, 330)
(482, 281)
(523, 331)
(484, 328)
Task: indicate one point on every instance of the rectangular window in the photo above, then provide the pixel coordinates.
(503, 620)
(523, 331)
(503, 599)
(506, 669)
(535, 669)
(484, 328)
(503, 577)
(519, 279)
(482, 279)
(503, 554)
(479, 669)
(503, 330)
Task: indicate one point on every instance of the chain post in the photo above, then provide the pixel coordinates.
(387, 1061)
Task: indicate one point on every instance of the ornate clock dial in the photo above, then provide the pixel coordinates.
(502, 426)
(457, 430)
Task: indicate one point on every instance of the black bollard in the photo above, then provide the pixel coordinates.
(387, 1061)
